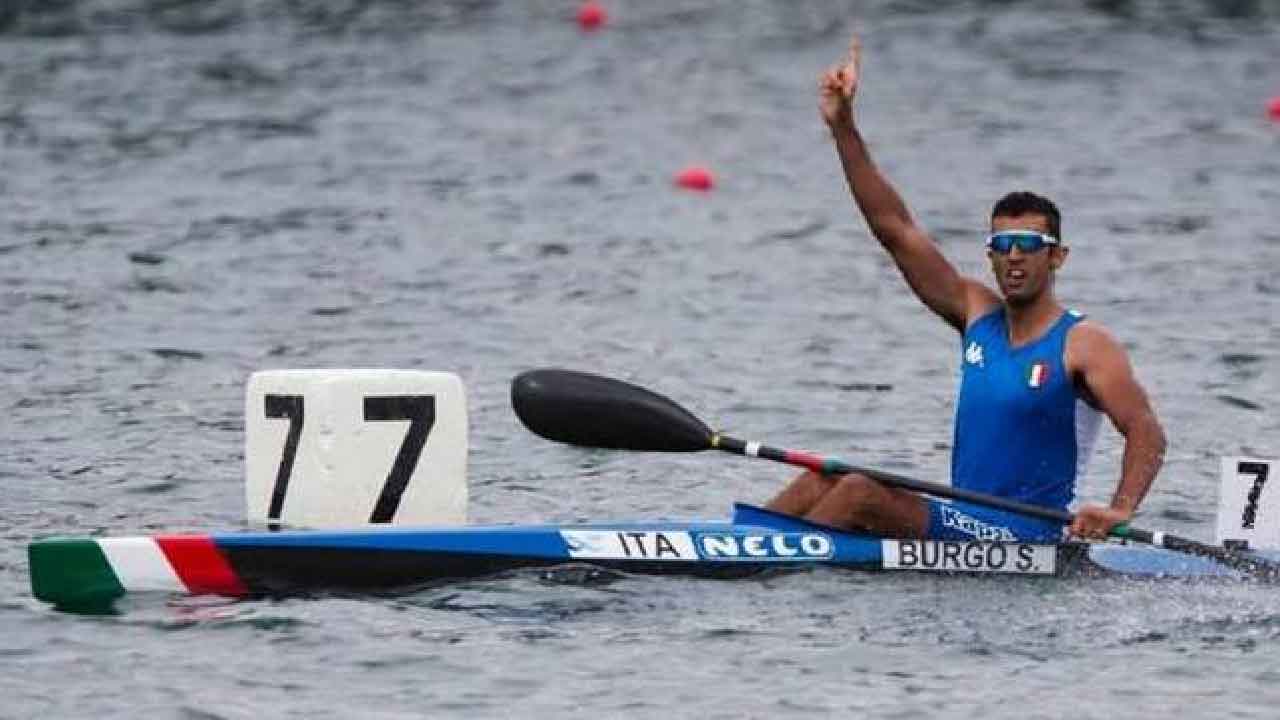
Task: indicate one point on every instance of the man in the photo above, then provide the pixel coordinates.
(1035, 375)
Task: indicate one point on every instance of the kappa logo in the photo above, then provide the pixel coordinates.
(976, 528)
(973, 354)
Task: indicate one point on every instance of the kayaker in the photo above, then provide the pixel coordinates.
(1036, 377)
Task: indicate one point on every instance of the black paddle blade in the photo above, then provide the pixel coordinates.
(583, 409)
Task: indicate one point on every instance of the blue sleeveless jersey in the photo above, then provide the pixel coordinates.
(1022, 429)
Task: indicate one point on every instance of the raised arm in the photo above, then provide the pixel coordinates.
(933, 279)
(1102, 366)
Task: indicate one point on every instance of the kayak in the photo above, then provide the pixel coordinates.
(90, 572)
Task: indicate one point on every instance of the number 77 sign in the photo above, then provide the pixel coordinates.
(346, 448)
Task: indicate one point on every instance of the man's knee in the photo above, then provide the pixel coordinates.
(858, 488)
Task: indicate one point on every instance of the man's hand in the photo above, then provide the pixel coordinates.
(837, 87)
(1094, 522)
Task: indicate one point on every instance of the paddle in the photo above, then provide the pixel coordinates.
(589, 410)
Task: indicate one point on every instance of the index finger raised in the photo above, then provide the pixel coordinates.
(855, 53)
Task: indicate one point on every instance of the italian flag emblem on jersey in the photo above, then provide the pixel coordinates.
(1039, 374)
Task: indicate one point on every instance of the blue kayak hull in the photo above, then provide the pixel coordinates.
(84, 571)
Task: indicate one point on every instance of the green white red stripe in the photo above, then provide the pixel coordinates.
(1039, 374)
(64, 571)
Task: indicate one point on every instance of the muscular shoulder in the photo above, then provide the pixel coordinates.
(1090, 344)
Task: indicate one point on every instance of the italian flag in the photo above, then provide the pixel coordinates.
(1039, 374)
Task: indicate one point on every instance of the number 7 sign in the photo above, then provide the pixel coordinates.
(1248, 505)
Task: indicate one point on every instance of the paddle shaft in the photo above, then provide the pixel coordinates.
(834, 466)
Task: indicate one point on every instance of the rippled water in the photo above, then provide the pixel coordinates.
(194, 191)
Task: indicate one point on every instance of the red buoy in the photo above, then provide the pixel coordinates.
(695, 177)
(1273, 108)
(591, 16)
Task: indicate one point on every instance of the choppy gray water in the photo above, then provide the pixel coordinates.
(191, 191)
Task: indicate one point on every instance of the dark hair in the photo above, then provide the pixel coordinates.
(1024, 203)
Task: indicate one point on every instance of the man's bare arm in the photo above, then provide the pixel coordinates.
(1103, 366)
(933, 279)
(927, 271)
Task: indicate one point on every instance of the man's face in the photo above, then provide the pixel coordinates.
(1021, 276)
